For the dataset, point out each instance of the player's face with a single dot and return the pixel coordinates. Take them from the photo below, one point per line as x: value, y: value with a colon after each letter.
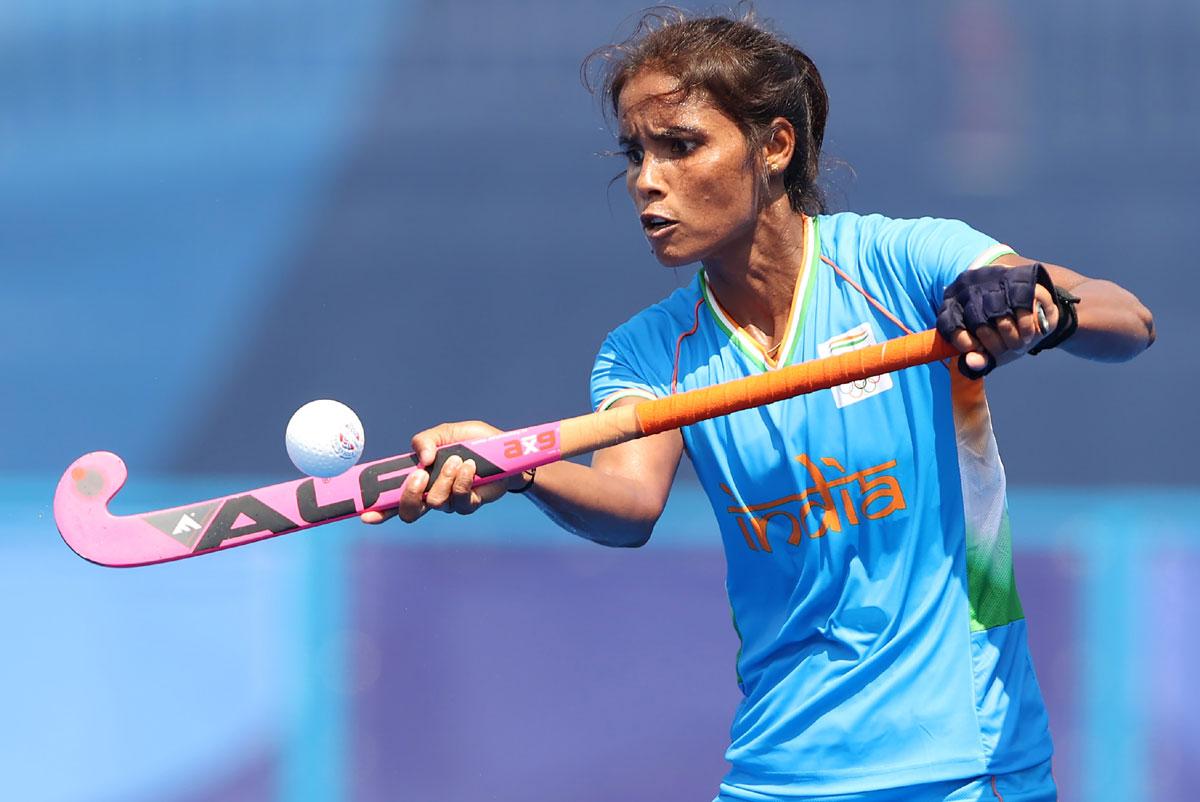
x: 688, y: 171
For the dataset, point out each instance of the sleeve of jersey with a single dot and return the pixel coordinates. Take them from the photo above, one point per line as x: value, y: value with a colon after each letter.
x: 618, y: 373
x: 929, y: 253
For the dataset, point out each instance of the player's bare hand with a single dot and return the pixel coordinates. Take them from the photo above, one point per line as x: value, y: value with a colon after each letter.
x: 451, y: 489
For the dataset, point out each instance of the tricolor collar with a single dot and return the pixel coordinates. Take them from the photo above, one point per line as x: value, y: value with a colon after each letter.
x: 752, y: 348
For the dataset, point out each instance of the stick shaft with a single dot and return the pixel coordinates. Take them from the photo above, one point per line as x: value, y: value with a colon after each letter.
x: 687, y: 408
x: 602, y: 429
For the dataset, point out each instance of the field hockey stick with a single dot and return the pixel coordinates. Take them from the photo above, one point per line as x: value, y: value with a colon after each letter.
x: 86, y: 488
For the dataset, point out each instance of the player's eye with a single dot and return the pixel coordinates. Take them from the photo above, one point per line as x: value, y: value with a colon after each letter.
x: 681, y: 147
x: 633, y: 156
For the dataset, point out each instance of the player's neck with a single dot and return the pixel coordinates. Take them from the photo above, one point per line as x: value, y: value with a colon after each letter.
x: 754, y: 280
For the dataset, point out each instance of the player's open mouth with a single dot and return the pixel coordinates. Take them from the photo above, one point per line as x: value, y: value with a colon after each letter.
x: 655, y: 225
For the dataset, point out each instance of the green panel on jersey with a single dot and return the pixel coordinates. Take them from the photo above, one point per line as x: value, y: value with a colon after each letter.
x: 991, y: 584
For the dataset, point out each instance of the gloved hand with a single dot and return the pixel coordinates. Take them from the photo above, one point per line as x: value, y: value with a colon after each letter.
x: 995, y: 314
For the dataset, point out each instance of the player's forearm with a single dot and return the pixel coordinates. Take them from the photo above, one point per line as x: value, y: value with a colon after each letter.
x: 604, y: 508
x: 1114, y: 325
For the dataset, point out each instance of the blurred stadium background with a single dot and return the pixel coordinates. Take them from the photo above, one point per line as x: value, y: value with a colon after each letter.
x: 212, y: 211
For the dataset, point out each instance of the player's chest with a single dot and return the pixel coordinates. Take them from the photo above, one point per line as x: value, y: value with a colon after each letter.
x: 842, y: 456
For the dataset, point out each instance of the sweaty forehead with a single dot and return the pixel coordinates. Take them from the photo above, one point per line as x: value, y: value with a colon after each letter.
x: 654, y: 101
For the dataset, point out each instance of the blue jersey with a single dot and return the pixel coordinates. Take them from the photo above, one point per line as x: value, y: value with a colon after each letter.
x: 865, y: 527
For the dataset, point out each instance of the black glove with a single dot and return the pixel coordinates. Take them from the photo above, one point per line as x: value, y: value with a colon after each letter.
x: 980, y: 297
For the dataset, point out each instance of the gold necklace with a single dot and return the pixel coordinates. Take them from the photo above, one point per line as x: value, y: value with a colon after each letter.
x: 771, y: 351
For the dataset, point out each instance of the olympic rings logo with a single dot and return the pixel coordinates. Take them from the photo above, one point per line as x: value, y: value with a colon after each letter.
x: 862, y: 387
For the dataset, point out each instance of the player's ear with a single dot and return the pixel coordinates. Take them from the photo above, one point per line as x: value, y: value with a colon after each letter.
x: 778, y: 146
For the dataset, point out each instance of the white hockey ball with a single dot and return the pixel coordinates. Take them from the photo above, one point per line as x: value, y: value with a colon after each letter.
x: 324, y: 438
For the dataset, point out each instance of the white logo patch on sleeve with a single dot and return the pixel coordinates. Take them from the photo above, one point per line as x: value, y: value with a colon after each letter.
x: 851, y: 393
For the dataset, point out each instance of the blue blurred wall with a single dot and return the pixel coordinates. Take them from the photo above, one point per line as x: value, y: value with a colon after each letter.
x: 214, y: 211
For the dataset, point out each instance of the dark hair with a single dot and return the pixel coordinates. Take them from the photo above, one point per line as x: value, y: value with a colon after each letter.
x: 753, y: 75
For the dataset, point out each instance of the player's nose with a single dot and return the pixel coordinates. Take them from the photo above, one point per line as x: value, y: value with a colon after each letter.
x: 650, y: 181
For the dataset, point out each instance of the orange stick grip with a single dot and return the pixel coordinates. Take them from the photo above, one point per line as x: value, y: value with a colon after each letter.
x: 664, y: 414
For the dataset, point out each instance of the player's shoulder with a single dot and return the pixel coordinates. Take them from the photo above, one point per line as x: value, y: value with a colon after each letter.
x: 882, y: 230
x: 876, y: 241
x: 664, y: 320
x: 638, y: 353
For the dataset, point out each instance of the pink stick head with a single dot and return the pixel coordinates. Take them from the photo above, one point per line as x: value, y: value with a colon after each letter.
x: 81, y: 510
